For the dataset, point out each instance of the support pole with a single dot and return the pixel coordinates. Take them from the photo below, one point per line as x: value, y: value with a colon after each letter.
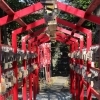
x: 24, y: 88
x: 0, y: 61
x: 15, y: 88
x: 30, y: 86
x: 81, y: 78
x: 77, y: 87
x: 34, y: 86
x: 81, y: 92
x: 89, y: 94
x: 70, y: 80
x: 30, y: 76
x: 73, y: 85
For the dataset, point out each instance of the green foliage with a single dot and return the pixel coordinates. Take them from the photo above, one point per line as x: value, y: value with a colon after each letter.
x: 16, y: 5
x: 68, y: 17
x: 32, y: 18
x: 7, y: 29
x: 81, y: 4
x: 89, y: 25
x: 59, y: 57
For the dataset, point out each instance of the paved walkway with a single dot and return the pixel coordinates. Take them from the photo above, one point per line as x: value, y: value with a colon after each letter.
x: 58, y: 91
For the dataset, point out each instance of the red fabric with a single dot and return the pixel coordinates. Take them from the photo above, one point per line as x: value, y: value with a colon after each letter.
x: 45, y: 54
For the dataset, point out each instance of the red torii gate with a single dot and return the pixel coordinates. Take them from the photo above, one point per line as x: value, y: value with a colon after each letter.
x: 84, y: 30
x: 75, y: 35
x: 64, y: 37
x: 72, y: 73
x: 83, y: 15
x: 16, y: 16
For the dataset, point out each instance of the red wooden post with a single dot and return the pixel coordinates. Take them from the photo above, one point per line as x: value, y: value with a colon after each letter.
x: 14, y: 46
x: 36, y: 76
x: 30, y: 76
x: 0, y: 80
x: 24, y: 88
x: 24, y: 39
x: 35, y: 83
x: 70, y: 80
x: 81, y: 92
x: 76, y: 89
x: 81, y: 78
x: 37, y: 80
x: 30, y: 86
x: 89, y: 43
x: 71, y: 61
x: 71, y: 73
x: 31, y: 48
x: 77, y: 80
x: 37, y: 70
x: 89, y: 94
x: 0, y: 62
x: 72, y: 76
x: 34, y: 86
x: 74, y: 84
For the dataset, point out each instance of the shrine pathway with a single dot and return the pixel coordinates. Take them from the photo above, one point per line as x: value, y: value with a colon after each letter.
x: 59, y: 90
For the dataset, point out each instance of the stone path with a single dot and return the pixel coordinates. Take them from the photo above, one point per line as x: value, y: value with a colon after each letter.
x: 58, y: 91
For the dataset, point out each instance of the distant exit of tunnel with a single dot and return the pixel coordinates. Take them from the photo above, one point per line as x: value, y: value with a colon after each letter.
x: 59, y: 59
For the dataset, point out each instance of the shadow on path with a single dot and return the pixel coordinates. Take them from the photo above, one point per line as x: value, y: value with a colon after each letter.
x: 56, y: 92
